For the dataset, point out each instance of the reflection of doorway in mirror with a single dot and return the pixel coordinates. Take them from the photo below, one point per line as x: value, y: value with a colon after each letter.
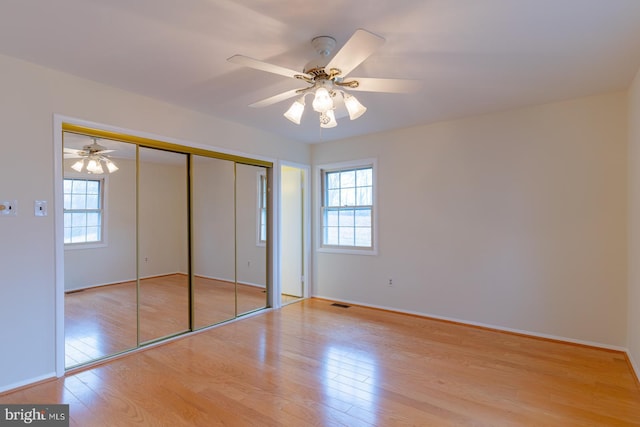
x: 292, y: 233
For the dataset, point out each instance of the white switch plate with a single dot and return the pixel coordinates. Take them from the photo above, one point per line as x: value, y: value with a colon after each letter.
x: 40, y: 208
x: 8, y: 207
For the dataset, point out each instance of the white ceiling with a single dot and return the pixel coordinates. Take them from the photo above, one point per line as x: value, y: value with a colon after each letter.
x: 472, y: 56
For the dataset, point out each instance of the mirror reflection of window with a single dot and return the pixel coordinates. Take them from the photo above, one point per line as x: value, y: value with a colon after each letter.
x: 251, y: 258
x: 100, y: 250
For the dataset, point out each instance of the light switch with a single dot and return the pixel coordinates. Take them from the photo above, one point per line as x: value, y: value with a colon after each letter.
x: 40, y: 208
x: 8, y: 207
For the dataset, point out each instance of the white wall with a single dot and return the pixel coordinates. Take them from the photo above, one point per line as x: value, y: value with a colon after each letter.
x: 634, y: 224
x: 30, y: 96
x: 515, y: 220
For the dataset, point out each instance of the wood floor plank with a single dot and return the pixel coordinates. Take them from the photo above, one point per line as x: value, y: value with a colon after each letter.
x: 312, y: 364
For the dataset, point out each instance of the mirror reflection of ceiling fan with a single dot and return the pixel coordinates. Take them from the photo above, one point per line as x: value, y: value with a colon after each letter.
x: 327, y: 78
x: 92, y: 158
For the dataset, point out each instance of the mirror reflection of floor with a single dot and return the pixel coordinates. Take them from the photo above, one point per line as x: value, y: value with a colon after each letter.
x: 101, y: 321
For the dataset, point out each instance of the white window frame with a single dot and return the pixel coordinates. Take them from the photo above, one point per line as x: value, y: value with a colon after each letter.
x: 261, y: 197
x: 103, y: 242
x: 320, y: 176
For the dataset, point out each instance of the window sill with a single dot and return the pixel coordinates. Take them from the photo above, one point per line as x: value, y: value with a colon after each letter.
x: 76, y: 246
x: 347, y: 251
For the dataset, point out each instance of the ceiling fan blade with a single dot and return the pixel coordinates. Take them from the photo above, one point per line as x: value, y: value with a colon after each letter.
x: 264, y: 66
x: 72, y: 156
x: 276, y: 98
x: 386, y: 85
x: 71, y: 151
x: 358, y: 48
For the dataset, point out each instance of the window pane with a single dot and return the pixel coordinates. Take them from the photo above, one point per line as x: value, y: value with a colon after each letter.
x: 68, y: 184
x: 93, y: 187
x: 348, y: 197
x: 331, y: 236
x: 363, y: 218
x: 93, y: 234
x: 363, y: 236
x: 333, y: 180
x: 331, y: 218
x: 346, y: 218
x: 364, y: 196
x: 67, y: 235
x: 67, y: 220
x: 364, y: 177
x: 333, y: 198
x: 93, y: 201
x: 348, y: 179
x: 78, y: 201
x: 93, y: 219
x: 78, y: 235
x: 346, y: 236
x: 67, y: 201
x: 79, y: 186
x: 78, y: 219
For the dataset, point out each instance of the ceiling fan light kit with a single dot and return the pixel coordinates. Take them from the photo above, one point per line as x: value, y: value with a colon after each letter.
x: 327, y: 78
x: 92, y: 159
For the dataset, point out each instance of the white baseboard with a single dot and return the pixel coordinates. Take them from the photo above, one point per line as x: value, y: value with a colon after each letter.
x: 484, y: 325
x: 634, y: 366
x: 30, y: 381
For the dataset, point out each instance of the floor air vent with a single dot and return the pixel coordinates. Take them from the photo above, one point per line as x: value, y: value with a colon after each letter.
x: 335, y: 304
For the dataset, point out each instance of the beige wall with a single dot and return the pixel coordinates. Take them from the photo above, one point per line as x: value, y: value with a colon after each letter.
x: 515, y: 220
x: 31, y: 95
x: 634, y: 224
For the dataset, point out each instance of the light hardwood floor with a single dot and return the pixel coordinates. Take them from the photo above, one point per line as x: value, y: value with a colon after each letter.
x: 311, y: 363
x: 102, y: 321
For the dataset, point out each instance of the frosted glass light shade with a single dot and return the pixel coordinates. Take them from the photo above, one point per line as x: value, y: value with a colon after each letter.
x: 354, y: 107
x: 77, y: 166
x: 294, y: 113
x: 94, y: 167
x: 322, y: 102
x: 111, y: 166
x: 328, y: 119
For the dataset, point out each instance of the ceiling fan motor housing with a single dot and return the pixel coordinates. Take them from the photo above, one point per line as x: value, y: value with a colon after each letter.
x: 324, y: 46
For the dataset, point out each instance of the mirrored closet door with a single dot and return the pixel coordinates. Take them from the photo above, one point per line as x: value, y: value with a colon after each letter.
x: 213, y: 240
x: 159, y: 240
x: 99, y: 192
x: 251, y: 237
x: 163, y: 243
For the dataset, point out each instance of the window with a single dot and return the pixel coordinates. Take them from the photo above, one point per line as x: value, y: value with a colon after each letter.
x: 83, y: 210
x: 262, y: 208
x: 347, y: 207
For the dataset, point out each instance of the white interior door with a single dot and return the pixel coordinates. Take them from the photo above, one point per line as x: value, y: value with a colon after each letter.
x: 292, y: 236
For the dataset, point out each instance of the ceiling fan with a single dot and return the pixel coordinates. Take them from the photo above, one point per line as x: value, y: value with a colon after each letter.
x: 93, y: 158
x: 327, y: 79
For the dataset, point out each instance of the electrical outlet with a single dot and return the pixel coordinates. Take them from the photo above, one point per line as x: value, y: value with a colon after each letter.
x: 391, y: 283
